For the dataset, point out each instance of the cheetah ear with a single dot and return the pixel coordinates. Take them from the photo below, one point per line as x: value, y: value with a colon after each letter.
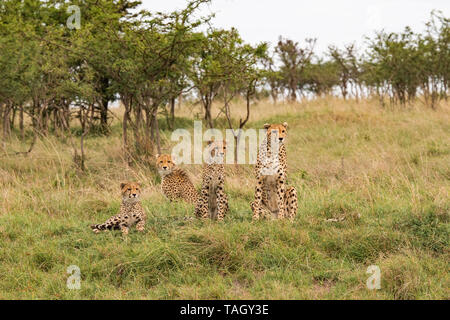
x: 285, y: 124
x: 139, y: 184
x: 122, y: 185
x: 210, y: 141
x: 157, y: 155
x: 267, y: 126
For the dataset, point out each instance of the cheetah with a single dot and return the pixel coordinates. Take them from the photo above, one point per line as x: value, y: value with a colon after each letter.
x: 131, y: 211
x: 213, y: 201
x: 272, y: 196
x: 175, y: 182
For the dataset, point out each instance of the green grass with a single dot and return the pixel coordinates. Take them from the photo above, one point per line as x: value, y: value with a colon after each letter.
x: 385, y: 174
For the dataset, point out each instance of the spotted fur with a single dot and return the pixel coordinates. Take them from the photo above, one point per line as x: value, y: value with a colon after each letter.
x: 272, y: 196
x: 131, y: 212
x: 175, y: 182
x: 213, y: 201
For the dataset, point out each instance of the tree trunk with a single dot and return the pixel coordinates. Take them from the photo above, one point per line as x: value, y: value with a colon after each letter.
x: 104, y: 105
x: 293, y: 93
x: 172, y: 114
x: 126, y: 115
x: 156, y: 130
x: 21, y: 126
x: 180, y: 99
x: 6, y: 122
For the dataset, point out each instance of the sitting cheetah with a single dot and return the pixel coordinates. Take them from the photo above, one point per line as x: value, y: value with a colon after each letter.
x: 175, y: 182
x: 272, y: 196
x: 213, y: 201
x: 131, y: 211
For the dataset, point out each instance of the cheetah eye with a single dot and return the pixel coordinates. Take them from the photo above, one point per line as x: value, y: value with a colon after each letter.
x: 129, y: 189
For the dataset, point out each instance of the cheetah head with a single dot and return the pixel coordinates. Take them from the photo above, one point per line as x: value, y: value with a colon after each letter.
x: 131, y: 192
x: 165, y: 164
x: 280, y: 130
x: 216, y: 151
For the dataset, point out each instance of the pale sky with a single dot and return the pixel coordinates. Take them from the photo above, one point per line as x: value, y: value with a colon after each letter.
x: 330, y: 21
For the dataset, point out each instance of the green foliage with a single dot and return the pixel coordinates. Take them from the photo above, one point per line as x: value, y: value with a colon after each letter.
x: 397, y: 66
x: 224, y: 65
x: 53, y: 75
x: 402, y: 66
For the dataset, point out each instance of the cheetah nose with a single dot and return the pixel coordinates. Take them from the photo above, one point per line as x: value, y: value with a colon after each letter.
x: 165, y: 167
x: 281, y: 139
x: 134, y: 195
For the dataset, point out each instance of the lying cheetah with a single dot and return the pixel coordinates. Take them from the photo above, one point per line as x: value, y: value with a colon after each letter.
x: 131, y: 211
x: 272, y: 196
x: 175, y: 182
x: 213, y: 201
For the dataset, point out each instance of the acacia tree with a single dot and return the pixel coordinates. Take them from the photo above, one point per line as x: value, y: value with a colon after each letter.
x: 395, y: 60
x: 240, y: 62
x: 100, y: 19
x: 207, y: 71
x: 434, y: 59
x: 321, y: 77
x: 344, y: 72
x: 345, y: 61
x: 144, y: 57
x: 272, y: 76
x: 294, y: 60
x: 224, y: 66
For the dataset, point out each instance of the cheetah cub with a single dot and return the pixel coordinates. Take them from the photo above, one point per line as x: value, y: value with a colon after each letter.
x: 131, y: 211
x: 213, y: 201
x: 175, y: 182
x: 272, y: 196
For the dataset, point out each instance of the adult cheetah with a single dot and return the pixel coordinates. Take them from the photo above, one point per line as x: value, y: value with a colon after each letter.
x: 131, y: 211
x: 272, y: 196
x: 213, y: 201
x: 175, y: 182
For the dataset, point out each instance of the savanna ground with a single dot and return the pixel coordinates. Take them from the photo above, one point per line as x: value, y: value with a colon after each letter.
x: 382, y: 174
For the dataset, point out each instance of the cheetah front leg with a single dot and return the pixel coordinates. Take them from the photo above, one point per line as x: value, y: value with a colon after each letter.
x: 124, y: 228
x: 201, y: 208
x: 265, y: 212
x: 222, y: 200
x: 291, y: 203
x: 140, y: 226
x: 281, y: 196
x: 256, y: 204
